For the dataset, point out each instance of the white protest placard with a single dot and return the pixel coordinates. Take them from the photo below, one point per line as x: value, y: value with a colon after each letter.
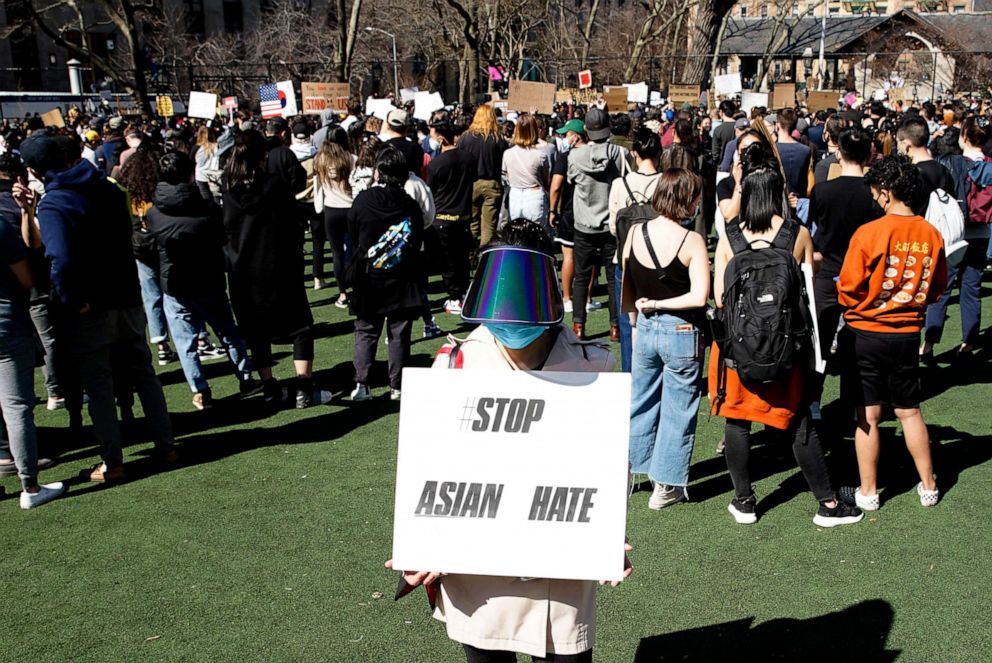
x: 408, y: 93
x: 496, y: 475
x: 379, y: 108
x: 751, y: 100
x: 425, y: 103
x: 728, y: 84
x: 202, y: 105
x: 637, y: 93
x: 655, y: 98
x: 819, y: 363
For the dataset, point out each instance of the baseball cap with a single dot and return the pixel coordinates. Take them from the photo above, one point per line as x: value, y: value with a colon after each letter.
x: 91, y: 136
x: 42, y: 153
x: 116, y: 123
x: 578, y: 126
x: 597, y: 124
x: 742, y: 123
x: 301, y: 130
x: 397, y: 118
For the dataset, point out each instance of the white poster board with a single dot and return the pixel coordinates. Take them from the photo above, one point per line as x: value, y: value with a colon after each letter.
x: 819, y: 363
x: 379, y: 108
x: 751, y: 100
x: 637, y: 93
x: 425, y: 103
x: 496, y: 475
x: 202, y: 105
x: 728, y: 84
x: 408, y: 94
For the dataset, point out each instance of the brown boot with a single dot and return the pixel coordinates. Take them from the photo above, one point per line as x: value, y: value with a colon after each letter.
x: 101, y: 473
x: 580, y: 330
x: 614, y: 333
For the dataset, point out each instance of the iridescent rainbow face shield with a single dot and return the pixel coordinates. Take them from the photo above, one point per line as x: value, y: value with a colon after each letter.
x: 514, y: 285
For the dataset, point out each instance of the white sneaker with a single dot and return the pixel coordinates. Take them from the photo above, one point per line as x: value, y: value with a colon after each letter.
x: 55, y: 403
x: 452, y: 306
x: 568, y: 306
x: 594, y: 306
x: 361, y: 393
x: 46, y: 493
x: 394, y: 394
x: 854, y: 497
x: 318, y: 284
x: 432, y: 330
x: 927, y: 497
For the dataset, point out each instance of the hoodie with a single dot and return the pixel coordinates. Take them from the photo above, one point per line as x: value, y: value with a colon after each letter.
x: 189, y: 236
x: 86, y: 228
x: 592, y: 169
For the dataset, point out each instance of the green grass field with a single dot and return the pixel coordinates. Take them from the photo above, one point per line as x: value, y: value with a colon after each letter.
x: 266, y: 543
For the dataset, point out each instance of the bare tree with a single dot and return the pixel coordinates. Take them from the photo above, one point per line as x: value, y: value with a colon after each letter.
x: 347, y: 35
x: 659, y: 16
x: 783, y: 25
x: 703, y: 35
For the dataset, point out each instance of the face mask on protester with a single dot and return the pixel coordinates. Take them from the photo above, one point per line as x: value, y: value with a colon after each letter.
x: 433, y: 144
x: 515, y: 336
x: 563, y: 144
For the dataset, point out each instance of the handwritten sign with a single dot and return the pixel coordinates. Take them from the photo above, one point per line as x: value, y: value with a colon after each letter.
x: 616, y: 99
x: 683, y: 94
x: 784, y: 95
x: 821, y: 101
x: 318, y: 97
x: 525, y: 95
x: 490, y: 456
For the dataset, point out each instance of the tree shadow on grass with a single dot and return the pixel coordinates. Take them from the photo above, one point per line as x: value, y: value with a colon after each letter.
x: 856, y: 633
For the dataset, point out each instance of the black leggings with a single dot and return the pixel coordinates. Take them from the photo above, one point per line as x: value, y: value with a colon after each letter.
x: 805, y: 446
x: 319, y: 238
x: 261, y: 348
x: 336, y: 228
x: 474, y: 655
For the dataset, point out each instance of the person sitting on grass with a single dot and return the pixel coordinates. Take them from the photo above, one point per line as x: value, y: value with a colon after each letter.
x: 550, y: 620
x: 894, y: 267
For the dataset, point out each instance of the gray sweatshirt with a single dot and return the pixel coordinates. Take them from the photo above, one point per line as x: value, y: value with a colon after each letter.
x: 592, y: 169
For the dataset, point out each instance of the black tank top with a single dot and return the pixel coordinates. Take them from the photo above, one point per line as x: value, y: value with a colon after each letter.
x: 657, y: 282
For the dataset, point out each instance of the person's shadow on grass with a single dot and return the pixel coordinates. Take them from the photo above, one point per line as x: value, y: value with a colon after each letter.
x: 855, y: 633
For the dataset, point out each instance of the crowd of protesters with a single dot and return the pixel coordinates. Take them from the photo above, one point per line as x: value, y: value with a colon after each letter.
x: 130, y: 242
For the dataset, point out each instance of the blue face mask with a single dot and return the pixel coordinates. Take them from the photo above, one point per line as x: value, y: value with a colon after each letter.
x: 515, y: 336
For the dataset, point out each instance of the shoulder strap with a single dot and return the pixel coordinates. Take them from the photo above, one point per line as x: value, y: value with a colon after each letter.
x: 647, y: 242
x: 736, y: 237
x: 786, y: 236
x: 626, y: 185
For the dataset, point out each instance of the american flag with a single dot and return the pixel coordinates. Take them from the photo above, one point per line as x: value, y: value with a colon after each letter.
x: 272, y: 100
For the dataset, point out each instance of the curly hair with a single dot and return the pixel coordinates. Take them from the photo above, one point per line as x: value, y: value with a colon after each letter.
x: 139, y: 174
x: 899, y: 177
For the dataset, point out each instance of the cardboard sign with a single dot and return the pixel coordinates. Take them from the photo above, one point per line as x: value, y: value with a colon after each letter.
x: 728, y: 84
x: 53, y: 118
x: 202, y: 105
x: 585, y: 79
x: 318, y: 97
x: 751, y: 100
x: 231, y: 103
x: 425, y: 103
x: 525, y: 95
x: 163, y: 106
x: 784, y: 95
x: 821, y: 101
x: 499, y: 456
x: 616, y: 99
x: 683, y: 94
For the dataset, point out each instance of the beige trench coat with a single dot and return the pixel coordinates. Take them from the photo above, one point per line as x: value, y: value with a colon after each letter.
x: 536, y: 616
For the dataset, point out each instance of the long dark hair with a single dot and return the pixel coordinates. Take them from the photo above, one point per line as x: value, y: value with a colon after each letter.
x: 762, y: 197
x: 244, y: 168
x: 139, y: 174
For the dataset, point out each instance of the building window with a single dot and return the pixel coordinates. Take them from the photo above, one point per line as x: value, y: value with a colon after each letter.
x: 764, y: 11
x: 959, y: 9
x: 233, y: 16
x: 795, y: 9
x: 743, y: 11
x: 834, y: 11
x: 195, y: 16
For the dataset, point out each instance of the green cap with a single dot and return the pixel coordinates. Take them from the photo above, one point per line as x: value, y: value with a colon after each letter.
x: 572, y: 125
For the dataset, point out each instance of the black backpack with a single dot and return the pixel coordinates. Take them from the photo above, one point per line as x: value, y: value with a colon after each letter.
x: 766, y: 322
x: 634, y: 213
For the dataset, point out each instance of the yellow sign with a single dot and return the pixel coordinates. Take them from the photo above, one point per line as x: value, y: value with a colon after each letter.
x: 163, y: 105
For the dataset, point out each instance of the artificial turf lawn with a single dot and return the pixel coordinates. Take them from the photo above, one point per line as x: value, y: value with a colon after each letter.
x: 266, y: 543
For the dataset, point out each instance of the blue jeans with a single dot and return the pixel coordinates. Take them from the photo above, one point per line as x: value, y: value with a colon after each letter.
x: 151, y: 297
x: 186, y: 317
x: 667, y: 365
x: 970, y: 268
x: 623, y: 320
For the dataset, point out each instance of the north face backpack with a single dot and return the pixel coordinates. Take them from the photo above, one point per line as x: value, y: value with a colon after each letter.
x: 944, y: 214
x: 767, y: 324
x: 634, y: 213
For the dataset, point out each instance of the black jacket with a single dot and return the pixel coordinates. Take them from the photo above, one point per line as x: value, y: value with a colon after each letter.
x: 378, y: 292
x: 189, y: 237
x: 282, y: 163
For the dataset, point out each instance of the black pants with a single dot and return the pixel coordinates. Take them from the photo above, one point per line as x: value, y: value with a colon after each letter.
x: 474, y: 655
x: 335, y: 229
x: 319, y: 238
x: 367, y: 333
x: 455, y: 244
x: 805, y: 446
x: 261, y: 348
x: 590, y: 250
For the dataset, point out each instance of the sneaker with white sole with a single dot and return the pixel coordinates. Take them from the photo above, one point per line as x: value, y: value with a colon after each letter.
x: 394, y: 394
x: 307, y: 398
x: 46, y: 493
x: 432, y: 330
x: 842, y: 514
x: 211, y: 352
x: 452, y: 306
x: 664, y: 495
x: 568, y: 306
x: 55, y: 403
x: 594, y: 306
x: 341, y: 302
x: 361, y: 393
x: 166, y: 356
x: 853, y: 497
x: 927, y: 497
x: 743, y: 510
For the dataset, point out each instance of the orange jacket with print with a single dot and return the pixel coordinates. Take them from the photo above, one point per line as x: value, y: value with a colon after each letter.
x: 894, y: 267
